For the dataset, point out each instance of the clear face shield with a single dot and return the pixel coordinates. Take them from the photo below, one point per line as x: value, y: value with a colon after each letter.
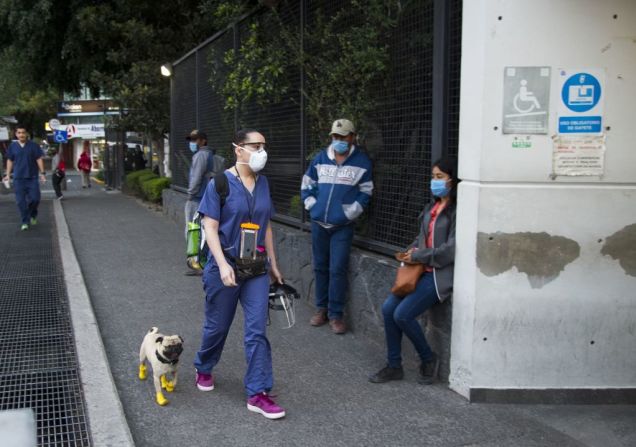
x: 281, y: 305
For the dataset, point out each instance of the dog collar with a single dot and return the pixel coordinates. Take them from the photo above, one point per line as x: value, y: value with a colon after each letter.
x: 162, y: 359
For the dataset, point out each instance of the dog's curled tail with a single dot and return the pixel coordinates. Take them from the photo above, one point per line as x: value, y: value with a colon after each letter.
x: 153, y: 330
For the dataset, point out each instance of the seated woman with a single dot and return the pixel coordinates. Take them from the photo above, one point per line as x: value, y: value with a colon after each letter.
x: 435, y: 248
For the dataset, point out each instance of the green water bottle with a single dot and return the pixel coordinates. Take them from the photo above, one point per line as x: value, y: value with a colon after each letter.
x: 194, y: 239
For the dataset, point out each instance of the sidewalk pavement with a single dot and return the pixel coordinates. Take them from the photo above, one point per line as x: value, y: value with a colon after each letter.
x: 133, y: 263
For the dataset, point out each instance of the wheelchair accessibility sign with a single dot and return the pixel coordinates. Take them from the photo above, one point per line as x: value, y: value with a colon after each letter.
x: 526, y: 100
x: 581, y: 104
x: 60, y: 136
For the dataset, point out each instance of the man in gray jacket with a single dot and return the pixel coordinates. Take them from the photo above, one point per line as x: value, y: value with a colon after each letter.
x: 205, y: 165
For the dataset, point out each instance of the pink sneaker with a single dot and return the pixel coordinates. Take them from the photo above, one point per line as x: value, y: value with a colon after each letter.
x: 263, y: 404
x: 205, y: 382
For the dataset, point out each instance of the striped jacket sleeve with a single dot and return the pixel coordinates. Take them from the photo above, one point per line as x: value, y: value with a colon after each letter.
x: 366, y: 188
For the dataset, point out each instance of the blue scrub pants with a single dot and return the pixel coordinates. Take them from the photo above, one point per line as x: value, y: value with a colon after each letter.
x: 27, y: 197
x: 400, y: 318
x: 220, y: 307
x: 331, y: 248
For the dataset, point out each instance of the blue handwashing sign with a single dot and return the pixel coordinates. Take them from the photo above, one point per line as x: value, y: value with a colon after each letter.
x: 581, y: 92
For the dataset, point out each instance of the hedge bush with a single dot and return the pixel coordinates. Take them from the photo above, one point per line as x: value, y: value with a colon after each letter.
x: 136, y: 178
x: 295, y: 207
x: 152, y: 187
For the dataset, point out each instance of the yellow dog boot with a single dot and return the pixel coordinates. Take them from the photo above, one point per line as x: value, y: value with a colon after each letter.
x: 161, y: 400
x: 143, y: 373
x: 167, y: 384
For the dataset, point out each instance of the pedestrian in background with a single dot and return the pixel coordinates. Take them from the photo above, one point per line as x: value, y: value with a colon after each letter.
x: 24, y: 160
x: 58, y: 169
x: 335, y: 190
x: 434, y: 247
x: 138, y: 159
x: 205, y: 165
x: 248, y: 205
x: 84, y: 165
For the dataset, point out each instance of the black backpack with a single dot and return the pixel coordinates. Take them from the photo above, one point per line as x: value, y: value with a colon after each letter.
x: 222, y: 188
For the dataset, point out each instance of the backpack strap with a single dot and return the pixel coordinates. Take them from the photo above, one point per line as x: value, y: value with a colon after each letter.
x: 222, y: 187
x: 210, y: 165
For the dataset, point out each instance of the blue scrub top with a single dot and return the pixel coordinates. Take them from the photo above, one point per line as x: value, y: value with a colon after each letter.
x: 24, y: 159
x: 236, y: 211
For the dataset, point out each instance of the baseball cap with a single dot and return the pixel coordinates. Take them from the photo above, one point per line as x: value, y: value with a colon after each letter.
x: 196, y: 135
x: 342, y: 127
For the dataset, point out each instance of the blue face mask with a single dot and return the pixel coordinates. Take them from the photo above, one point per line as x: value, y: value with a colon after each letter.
x: 439, y: 188
x: 340, y: 146
x: 193, y: 146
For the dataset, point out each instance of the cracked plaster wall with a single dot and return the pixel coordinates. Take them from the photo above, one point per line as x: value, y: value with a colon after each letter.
x: 545, y: 265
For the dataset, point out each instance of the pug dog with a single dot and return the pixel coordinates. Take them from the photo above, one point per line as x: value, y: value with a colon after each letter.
x: 162, y: 351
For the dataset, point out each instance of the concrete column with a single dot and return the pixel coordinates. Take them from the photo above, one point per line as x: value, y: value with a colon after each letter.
x: 544, y: 307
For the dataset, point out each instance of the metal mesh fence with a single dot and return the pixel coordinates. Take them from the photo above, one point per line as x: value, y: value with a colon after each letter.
x: 454, y: 73
x: 212, y: 118
x: 396, y: 133
x: 280, y: 120
x: 39, y: 368
x: 400, y: 139
x: 183, y: 110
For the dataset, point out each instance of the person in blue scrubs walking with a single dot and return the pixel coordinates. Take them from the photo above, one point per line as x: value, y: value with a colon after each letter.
x: 24, y: 159
x: 248, y: 202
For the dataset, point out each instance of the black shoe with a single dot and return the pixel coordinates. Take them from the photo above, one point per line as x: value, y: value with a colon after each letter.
x: 429, y: 370
x: 194, y: 272
x: 386, y: 374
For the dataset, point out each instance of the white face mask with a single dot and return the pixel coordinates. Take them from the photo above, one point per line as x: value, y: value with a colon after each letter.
x: 257, y: 161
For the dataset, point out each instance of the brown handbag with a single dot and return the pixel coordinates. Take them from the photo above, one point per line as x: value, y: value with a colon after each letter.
x: 406, y: 277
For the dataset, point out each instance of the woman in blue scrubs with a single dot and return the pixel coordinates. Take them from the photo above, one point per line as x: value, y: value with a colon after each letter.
x: 247, y: 202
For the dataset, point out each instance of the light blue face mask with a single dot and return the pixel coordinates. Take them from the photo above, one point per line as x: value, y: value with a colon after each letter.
x: 340, y: 146
x: 193, y: 146
x: 439, y: 188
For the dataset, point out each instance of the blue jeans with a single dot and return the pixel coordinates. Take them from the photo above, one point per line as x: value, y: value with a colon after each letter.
x: 220, y: 307
x: 331, y: 248
x: 400, y: 317
x: 27, y: 197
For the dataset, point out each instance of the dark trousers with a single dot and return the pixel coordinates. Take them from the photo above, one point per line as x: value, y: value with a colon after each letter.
x: 27, y: 197
x: 220, y: 307
x: 331, y: 248
x: 57, y: 184
x: 400, y: 318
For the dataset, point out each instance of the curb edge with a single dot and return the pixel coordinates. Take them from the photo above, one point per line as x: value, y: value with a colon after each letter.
x: 106, y: 419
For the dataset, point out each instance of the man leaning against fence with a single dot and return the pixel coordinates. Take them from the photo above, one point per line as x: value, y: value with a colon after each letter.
x: 336, y: 189
x: 205, y: 165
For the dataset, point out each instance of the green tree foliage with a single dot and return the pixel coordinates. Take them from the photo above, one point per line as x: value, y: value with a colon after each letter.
x: 345, y: 59
x: 32, y: 71
x: 32, y: 38
x: 113, y: 46
x: 256, y: 71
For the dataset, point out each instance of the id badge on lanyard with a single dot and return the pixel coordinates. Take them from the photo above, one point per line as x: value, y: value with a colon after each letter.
x: 249, y: 230
x: 249, y: 236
